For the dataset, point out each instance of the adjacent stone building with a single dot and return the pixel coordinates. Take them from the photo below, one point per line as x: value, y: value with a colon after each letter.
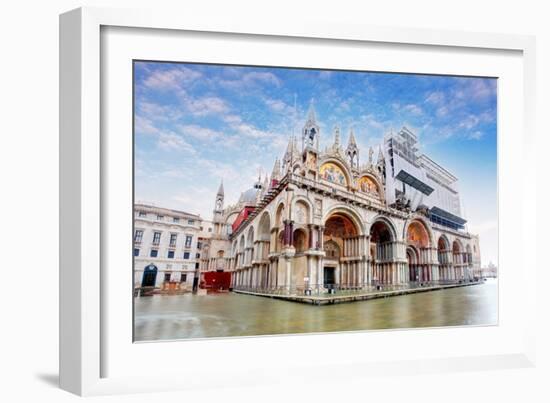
x: 166, y: 248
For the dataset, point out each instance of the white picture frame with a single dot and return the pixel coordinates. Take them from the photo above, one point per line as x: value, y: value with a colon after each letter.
x: 84, y: 183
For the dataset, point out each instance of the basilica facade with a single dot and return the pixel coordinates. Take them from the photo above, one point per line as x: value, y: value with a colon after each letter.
x: 326, y: 220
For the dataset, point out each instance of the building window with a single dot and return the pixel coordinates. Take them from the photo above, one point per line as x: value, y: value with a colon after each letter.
x: 188, y: 240
x: 167, y: 276
x: 160, y: 217
x: 191, y: 222
x: 209, y: 229
x: 176, y: 219
x: 173, y: 238
x: 156, y: 238
x: 136, y: 251
x: 138, y: 235
x: 142, y: 214
x: 186, y: 255
x: 154, y: 252
x: 199, y: 244
x: 183, y: 277
x: 197, y: 265
x: 170, y: 254
x: 198, y: 256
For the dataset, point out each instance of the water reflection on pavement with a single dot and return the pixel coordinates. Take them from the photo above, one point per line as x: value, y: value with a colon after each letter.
x: 222, y: 315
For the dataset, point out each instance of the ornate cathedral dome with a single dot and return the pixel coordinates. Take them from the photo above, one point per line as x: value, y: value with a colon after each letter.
x: 249, y: 197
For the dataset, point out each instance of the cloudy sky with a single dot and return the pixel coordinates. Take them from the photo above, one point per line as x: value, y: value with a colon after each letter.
x: 196, y: 124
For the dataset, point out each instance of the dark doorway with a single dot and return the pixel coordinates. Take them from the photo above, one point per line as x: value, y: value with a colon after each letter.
x: 149, y: 276
x: 329, y: 277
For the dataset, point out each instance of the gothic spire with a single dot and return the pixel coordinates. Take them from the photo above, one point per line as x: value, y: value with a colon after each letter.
x: 220, y: 189
x: 276, y: 173
x: 310, y: 132
x: 289, y: 146
x: 311, y: 118
x: 380, y: 155
x: 289, y: 154
x: 351, y: 139
x: 352, y: 151
x: 218, y: 206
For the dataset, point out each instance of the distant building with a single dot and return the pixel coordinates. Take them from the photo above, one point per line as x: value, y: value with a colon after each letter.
x: 490, y: 271
x: 166, y: 248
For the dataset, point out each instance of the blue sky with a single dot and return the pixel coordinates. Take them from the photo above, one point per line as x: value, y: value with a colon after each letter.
x: 196, y: 124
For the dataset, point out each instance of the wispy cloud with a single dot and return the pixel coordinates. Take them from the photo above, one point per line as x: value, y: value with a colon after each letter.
x: 203, y: 106
x: 278, y: 106
x: 175, y: 143
x: 145, y: 126
x: 250, y: 80
x: 170, y: 79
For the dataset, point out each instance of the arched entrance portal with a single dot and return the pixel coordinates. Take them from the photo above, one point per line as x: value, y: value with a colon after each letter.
x: 149, y: 278
x: 412, y: 261
x: 458, y: 260
x: 418, y: 240
x: 343, y: 250
x: 383, y: 252
x: 445, y: 259
x: 332, y: 259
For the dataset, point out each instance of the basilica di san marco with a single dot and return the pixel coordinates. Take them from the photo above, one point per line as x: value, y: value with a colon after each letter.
x: 344, y: 222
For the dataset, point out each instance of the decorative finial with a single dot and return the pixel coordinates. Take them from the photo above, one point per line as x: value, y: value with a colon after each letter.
x: 351, y: 140
x: 336, y: 136
x: 311, y: 118
x: 380, y: 155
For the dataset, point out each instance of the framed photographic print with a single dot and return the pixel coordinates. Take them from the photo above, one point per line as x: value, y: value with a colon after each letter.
x: 311, y: 196
x: 309, y: 217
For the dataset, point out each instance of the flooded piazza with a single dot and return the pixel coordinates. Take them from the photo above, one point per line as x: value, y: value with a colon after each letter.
x: 229, y: 314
